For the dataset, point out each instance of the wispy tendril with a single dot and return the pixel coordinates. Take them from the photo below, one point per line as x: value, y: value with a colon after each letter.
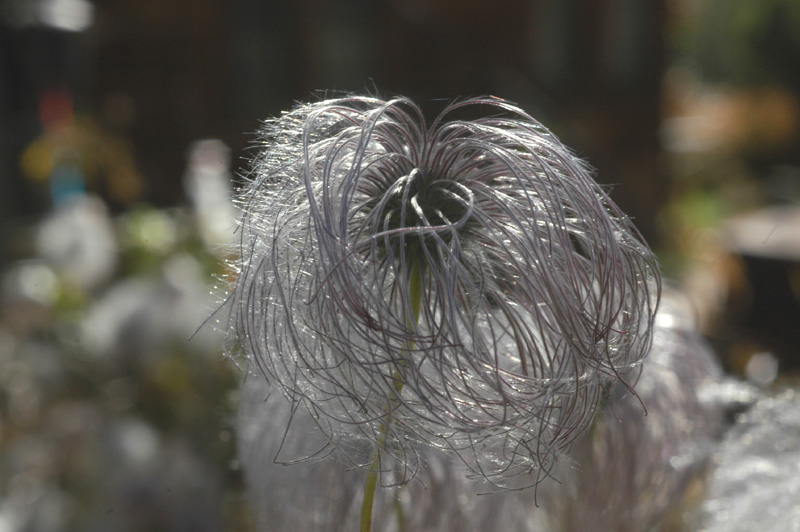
x: 463, y: 284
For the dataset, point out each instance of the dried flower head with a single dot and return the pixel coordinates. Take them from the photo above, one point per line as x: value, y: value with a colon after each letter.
x: 463, y: 285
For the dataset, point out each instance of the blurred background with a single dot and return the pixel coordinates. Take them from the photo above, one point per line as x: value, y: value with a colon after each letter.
x: 124, y: 125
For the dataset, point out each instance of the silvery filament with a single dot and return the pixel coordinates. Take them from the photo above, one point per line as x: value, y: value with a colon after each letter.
x: 463, y: 285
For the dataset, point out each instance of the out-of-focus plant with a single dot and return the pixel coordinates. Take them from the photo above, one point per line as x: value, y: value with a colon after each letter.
x: 757, y: 476
x: 110, y: 418
x: 463, y: 286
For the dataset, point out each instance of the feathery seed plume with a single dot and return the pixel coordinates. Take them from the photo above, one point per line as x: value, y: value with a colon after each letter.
x: 463, y: 285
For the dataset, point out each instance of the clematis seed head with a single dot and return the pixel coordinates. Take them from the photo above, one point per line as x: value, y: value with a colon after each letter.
x: 462, y: 284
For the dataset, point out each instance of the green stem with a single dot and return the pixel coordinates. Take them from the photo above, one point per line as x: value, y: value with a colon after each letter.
x: 401, y: 519
x: 415, y: 294
x: 371, y: 482
x: 369, y: 493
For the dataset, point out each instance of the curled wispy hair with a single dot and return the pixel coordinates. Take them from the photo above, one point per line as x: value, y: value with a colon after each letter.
x: 463, y: 284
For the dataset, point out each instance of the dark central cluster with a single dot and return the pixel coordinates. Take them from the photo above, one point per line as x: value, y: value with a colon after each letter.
x: 431, y: 202
x: 419, y: 212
